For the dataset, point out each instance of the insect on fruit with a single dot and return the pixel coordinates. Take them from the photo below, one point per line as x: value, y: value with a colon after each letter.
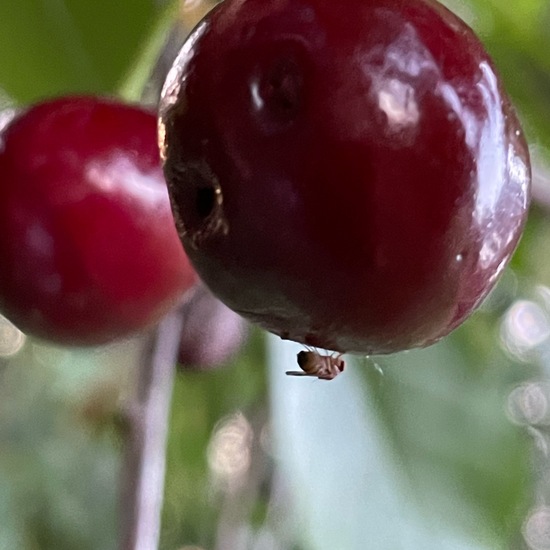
x: 324, y: 367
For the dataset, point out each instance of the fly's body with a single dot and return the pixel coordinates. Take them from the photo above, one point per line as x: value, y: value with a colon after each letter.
x: 324, y: 367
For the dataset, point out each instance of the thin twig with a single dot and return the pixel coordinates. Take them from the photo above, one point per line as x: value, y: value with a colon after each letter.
x: 145, y: 454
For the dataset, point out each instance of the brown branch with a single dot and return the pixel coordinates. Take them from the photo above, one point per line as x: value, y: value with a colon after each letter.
x: 145, y: 453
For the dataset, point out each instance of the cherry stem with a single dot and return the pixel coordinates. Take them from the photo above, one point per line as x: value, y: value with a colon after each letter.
x: 144, y: 459
x: 134, y: 81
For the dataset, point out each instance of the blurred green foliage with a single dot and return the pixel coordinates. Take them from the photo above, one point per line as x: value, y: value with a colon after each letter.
x: 52, y: 47
x: 412, y: 452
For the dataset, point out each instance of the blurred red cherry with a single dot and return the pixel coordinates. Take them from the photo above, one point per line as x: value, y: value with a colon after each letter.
x: 88, y: 249
x: 212, y: 333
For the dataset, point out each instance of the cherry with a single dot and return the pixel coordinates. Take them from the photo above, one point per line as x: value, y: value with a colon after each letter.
x: 349, y: 175
x: 88, y: 248
x: 211, y: 334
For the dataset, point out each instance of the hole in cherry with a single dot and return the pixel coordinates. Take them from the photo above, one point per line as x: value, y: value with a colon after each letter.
x: 197, y: 200
x: 205, y: 201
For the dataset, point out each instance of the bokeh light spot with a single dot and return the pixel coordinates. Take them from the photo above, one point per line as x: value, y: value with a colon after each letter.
x: 229, y: 450
x: 525, y: 326
x: 11, y: 338
x: 536, y: 530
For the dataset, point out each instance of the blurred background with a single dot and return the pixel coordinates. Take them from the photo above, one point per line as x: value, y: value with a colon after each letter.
x: 445, y: 448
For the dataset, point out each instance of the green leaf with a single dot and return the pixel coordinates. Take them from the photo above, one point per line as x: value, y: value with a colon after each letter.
x: 60, y: 475
x: 516, y: 35
x: 421, y: 456
x: 51, y: 47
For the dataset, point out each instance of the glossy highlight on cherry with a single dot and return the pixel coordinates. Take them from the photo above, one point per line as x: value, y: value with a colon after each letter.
x: 371, y: 178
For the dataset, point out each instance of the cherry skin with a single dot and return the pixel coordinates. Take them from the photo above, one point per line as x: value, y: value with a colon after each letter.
x: 88, y: 248
x: 349, y: 175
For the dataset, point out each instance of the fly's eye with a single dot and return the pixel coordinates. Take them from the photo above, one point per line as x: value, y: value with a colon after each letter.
x: 302, y: 358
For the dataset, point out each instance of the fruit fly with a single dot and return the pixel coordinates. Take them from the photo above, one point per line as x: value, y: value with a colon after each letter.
x: 324, y: 367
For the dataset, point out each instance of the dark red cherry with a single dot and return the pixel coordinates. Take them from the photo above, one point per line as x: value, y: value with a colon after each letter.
x: 88, y: 249
x: 349, y: 175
